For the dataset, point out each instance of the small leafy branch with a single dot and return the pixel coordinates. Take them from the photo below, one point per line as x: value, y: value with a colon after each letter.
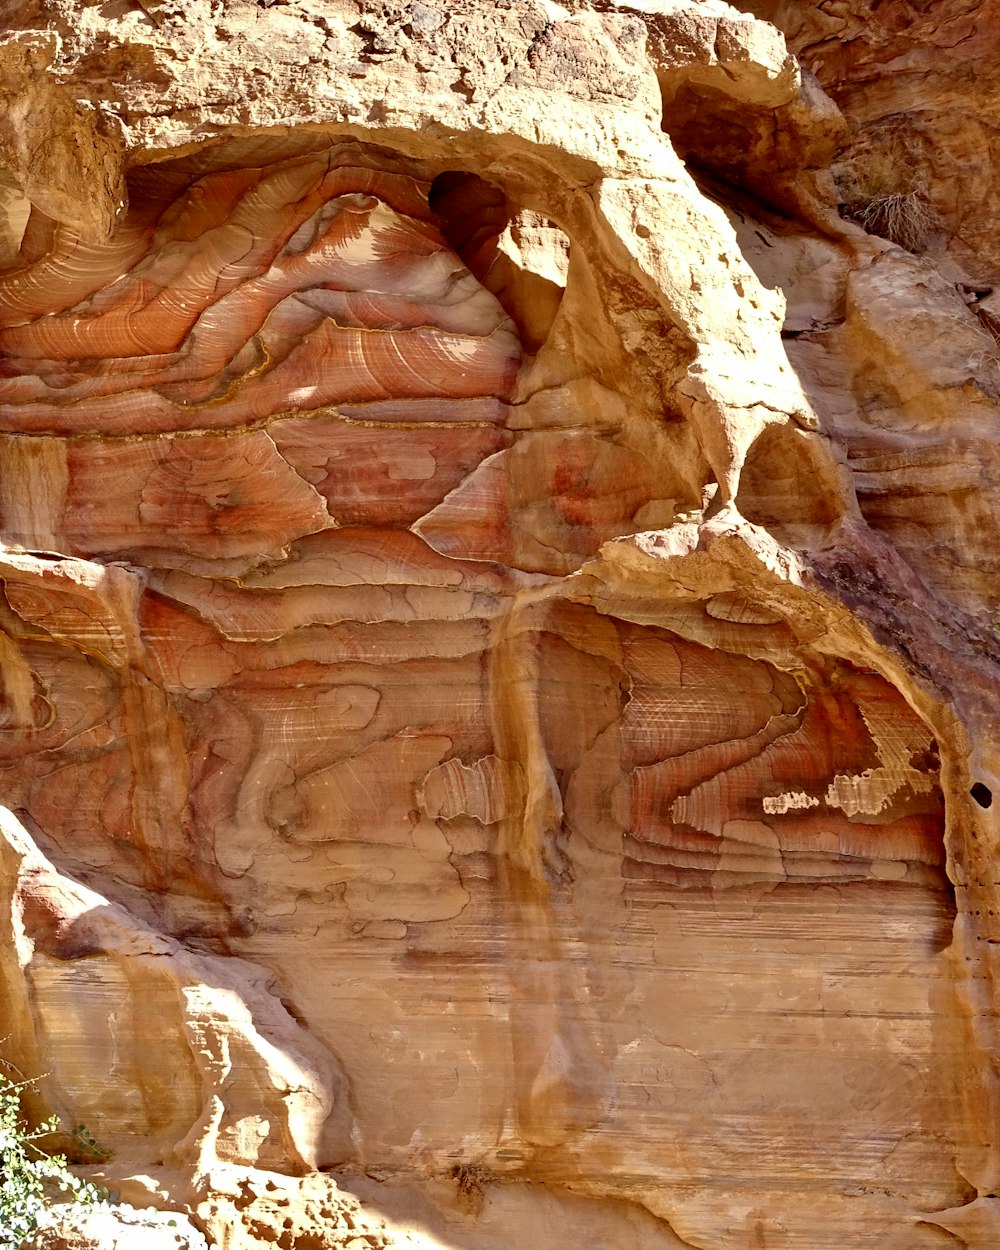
x: 32, y: 1178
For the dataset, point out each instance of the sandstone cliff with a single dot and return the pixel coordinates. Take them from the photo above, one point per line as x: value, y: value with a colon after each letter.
x: 500, y: 630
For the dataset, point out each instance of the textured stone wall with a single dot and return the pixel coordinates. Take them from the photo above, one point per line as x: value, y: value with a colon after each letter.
x: 499, y: 650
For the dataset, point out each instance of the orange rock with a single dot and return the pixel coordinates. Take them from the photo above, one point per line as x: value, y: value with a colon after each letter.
x: 490, y: 728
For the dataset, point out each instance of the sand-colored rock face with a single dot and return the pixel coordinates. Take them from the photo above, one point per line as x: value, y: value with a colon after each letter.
x: 903, y: 361
x: 496, y: 750
x: 917, y: 84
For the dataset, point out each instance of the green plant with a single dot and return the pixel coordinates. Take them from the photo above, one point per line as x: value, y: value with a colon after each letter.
x: 31, y: 1178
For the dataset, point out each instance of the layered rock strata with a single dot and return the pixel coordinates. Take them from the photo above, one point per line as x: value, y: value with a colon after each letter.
x: 486, y: 734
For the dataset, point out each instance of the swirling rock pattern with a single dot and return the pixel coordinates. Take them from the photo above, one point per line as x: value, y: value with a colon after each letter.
x: 402, y: 720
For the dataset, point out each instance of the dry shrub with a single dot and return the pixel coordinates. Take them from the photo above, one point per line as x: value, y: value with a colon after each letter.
x: 883, y: 192
x: 902, y: 217
x: 472, y: 1180
x: 990, y: 321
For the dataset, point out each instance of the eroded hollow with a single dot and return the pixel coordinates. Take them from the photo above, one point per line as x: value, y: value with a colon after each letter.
x: 518, y: 255
x: 790, y: 485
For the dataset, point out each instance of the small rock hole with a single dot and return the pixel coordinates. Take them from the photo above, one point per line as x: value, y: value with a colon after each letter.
x: 482, y: 225
x: 982, y: 794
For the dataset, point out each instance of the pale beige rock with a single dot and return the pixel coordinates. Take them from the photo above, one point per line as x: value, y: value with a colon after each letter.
x: 173, y: 1056
x: 118, y: 1227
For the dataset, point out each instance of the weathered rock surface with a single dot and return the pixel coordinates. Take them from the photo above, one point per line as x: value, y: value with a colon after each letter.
x: 917, y: 83
x: 902, y: 363
x: 498, y: 653
x: 117, y: 1227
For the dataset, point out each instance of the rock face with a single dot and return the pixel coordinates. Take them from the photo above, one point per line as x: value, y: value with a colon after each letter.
x: 499, y: 651
x: 916, y: 417
x: 916, y: 82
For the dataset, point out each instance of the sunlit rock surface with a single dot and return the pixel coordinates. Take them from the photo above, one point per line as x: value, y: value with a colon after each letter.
x: 498, y: 642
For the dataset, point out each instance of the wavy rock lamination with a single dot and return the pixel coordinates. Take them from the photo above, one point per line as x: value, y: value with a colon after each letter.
x: 399, y: 731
